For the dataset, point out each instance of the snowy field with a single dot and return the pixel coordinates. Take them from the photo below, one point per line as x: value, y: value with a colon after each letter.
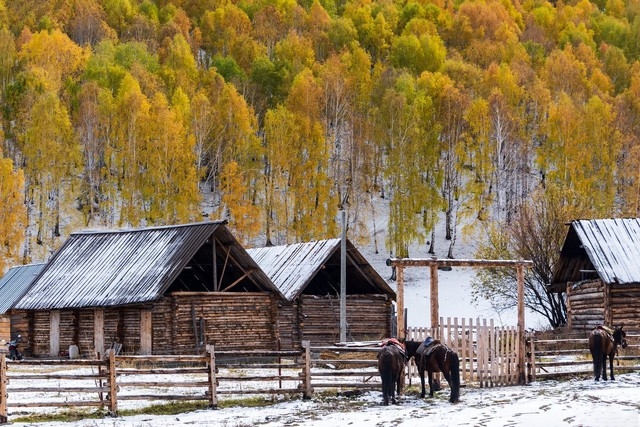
x: 577, y: 402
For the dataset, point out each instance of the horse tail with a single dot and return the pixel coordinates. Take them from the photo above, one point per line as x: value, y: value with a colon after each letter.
x: 386, y: 375
x: 455, y: 378
x: 595, y: 346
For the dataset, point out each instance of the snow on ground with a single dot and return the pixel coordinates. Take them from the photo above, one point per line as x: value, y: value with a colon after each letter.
x: 572, y: 403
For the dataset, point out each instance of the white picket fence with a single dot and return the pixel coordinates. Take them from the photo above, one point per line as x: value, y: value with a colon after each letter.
x: 488, y: 354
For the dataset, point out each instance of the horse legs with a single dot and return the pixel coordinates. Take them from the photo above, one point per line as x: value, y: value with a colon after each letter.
x: 423, y: 392
x: 603, y: 366
x: 399, y: 384
x: 430, y: 384
x: 611, y: 356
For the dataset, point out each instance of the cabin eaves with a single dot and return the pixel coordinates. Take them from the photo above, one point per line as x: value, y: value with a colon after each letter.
x: 293, y: 267
x: 15, y: 283
x: 109, y: 268
x: 607, y: 247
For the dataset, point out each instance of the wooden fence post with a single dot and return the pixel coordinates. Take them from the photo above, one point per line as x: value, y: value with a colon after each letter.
x: 113, y: 387
x: 4, y: 415
x: 213, y: 382
x: 308, y: 391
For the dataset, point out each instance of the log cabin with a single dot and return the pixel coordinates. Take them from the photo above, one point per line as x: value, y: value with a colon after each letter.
x: 599, y: 270
x: 308, y: 275
x: 13, y: 285
x: 156, y: 290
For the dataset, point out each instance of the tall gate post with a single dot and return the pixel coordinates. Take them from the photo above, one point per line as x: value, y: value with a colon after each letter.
x: 4, y: 415
x: 522, y: 379
x: 400, y: 303
x: 435, y: 306
x: 213, y: 385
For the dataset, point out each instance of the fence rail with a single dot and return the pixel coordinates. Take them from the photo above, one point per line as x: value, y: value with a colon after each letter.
x: 568, y: 355
x: 488, y: 357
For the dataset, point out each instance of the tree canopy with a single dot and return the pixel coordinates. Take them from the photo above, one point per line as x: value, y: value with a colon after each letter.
x: 276, y: 115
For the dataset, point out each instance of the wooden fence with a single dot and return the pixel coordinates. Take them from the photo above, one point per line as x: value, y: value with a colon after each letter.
x: 488, y: 354
x: 166, y: 378
x: 566, y: 354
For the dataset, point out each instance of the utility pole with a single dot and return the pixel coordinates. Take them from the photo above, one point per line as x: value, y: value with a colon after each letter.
x: 343, y: 279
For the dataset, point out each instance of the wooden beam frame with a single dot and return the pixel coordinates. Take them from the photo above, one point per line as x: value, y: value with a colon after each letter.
x: 434, y: 264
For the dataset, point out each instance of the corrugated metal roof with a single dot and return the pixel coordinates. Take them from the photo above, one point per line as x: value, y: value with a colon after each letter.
x: 292, y: 267
x: 107, y: 268
x: 609, y: 246
x: 15, y: 283
x: 613, y: 247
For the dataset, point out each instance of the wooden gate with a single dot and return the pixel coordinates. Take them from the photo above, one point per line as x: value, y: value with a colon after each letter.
x: 488, y: 354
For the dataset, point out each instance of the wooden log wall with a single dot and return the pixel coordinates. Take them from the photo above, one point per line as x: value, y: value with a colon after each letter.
x: 288, y: 321
x: 368, y: 318
x: 20, y: 326
x: 230, y: 321
x: 68, y: 331
x: 85, y: 341
x: 625, y: 306
x: 586, y: 304
x: 163, y: 315
x: 5, y: 327
x: 39, y: 331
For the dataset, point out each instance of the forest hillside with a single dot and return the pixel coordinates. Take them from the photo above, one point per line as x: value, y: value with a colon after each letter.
x: 482, y: 118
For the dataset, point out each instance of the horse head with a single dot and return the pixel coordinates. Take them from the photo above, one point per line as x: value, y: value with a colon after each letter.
x: 620, y: 336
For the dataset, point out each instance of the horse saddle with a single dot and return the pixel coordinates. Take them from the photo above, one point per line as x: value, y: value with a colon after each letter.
x: 607, y: 330
x: 394, y: 342
x: 428, y: 346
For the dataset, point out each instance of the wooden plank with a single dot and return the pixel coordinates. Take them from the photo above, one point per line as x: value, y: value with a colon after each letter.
x: 47, y: 376
x: 60, y: 404
x: 168, y: 397
x: 98, y: 331
x: 54, y: 333
x: 186, y: 384
x: 428, y: 262
x: 57, y: 390
x: 162, y: 371
x: 146, y: 332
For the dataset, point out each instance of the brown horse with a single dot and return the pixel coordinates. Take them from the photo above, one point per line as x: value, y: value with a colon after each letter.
x: 602, y: 343
x: 438, y: 358
x: 391, y: 361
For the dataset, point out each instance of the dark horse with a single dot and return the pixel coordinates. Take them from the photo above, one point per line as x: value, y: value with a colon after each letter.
x: 438, y: 358
x: 602, y: 343
x: 391, y: 361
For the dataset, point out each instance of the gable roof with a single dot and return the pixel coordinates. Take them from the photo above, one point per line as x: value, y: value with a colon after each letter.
x: 15, y: 283
x: 108, y: 268
x: 296, y: 267
x: 607, y: 248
